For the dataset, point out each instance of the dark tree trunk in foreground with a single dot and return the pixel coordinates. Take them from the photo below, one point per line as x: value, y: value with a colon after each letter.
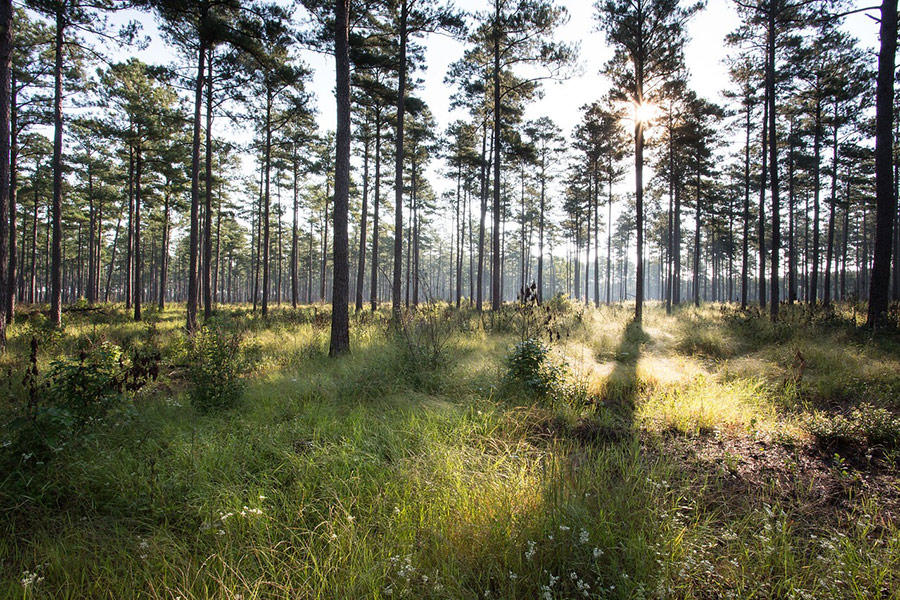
x: 6, y: 18
x: 398, y: 169
x: 56, y: 245
x: 340, y: 298
x: 12, y: 275
x: 884, y: 197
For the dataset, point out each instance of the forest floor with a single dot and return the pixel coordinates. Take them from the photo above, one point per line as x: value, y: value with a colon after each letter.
x: 707, y: 454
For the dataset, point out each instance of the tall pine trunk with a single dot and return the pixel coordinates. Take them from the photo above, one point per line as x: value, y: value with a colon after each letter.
x: 398, y: 167
x: 56, y: 206
x: 340, y: 297
x: 194, y: 236
x: 373, y: 292
x: 6, y: 276
x: 207, y: 209
x: 886, y: 205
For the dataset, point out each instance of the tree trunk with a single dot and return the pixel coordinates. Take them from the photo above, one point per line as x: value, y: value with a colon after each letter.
x: 361, y: 263
x: 6, y: 276
x: 762, y: 201
x: 340, y: 313
x: 540, y: 264
x: 639, y: 216
x: 886, y: 205
x: 496, y: 299
x: 792, y: 254
x: 12, y: 277
x: 773, y: 168
x: 829, y: 243
x: 56, y: 246
x: 373, y: 292
x: 813, y: 291
x: 398, y: 167
x: 138, y: 287
x: 207, y: 209
x: 479, y: 301
x: 745, y: 245
x: 164, y: 255
x: 697, y: 241
x: 267, y: 167
x: 295, y: 248
x: 194, y: 239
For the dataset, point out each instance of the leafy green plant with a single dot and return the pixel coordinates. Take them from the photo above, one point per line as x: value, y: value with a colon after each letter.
x: 217, y: 359
x: 865, y: 425
x: 75, y: 393
x: 531, y: 370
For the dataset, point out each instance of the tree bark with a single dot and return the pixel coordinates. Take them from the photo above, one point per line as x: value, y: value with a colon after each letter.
x: 398, y: 167
x: 56, y: 207
x: 496, y: 299
x: 194, y: 238
x: 340, y: 312
x: 138, y: 288
x: 773, y: 169
x: 884, y: 197
x: 207, y: 209
x: 6, y: 291
x: 267, y: 167
x: 361, y: 263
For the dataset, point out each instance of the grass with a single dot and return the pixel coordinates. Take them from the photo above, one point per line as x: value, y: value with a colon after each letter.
x: 677, y: 461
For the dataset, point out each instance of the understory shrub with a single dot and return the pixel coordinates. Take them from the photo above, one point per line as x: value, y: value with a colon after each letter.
x: 866, y: 425
x: 531, y: 370
x: 75, y: 393
x: 217, y: 359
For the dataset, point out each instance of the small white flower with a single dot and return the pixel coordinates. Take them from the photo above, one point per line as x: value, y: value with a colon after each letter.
x: 597, y: 552
x: 583, y: 537
x: 529, y: 554
x: 563, y: 527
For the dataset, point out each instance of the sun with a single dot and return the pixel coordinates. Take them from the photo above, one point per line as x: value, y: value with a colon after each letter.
x: 645, y: 112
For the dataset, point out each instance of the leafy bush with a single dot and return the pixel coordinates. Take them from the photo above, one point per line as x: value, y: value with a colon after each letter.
x: 530, y: 370
x: 865, y: 425
x: 217, y: 359
x: 74, y: 393
x: 89, y: 385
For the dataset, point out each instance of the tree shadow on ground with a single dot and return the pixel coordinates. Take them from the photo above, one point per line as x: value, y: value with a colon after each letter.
x: 613, y: 419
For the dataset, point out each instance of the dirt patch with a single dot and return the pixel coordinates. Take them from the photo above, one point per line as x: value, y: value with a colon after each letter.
x: 797, y: 474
